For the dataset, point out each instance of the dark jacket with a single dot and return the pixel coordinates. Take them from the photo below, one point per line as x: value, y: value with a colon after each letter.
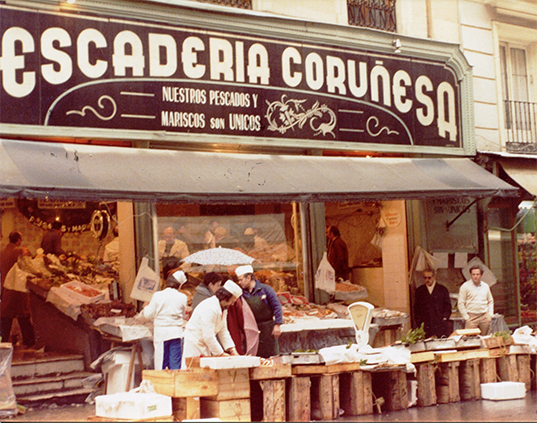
x: 202, y: 293
x: 433, y: 310
x: 52, y: 243
x: 338, y: 257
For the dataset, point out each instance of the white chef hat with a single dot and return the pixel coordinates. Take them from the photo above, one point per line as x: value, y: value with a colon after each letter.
x: 233, y: 288
x: 241, y: 270
x: 180, y: 276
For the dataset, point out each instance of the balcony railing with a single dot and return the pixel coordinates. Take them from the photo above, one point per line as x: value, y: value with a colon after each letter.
x: 377, y: 14
x: 240, y: 4
x: 521, y: 126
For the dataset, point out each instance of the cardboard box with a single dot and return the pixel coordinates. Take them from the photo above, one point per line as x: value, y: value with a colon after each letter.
x: 133, y: 405
x: 503, y: 390
x: 116, y: 369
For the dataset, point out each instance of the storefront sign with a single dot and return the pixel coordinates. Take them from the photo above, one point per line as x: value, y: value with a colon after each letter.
x: 62, y: 69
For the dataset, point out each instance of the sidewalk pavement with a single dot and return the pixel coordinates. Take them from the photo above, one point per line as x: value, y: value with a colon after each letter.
x: 520, y: 410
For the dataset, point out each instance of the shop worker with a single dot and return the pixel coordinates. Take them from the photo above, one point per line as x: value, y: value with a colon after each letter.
x: 267, y: 310
x: 337, y: 253
x: 51, y: 243
x: 476, y: 304
x: 167, y: 310
x: 432, y: 306
x: 206, y: 333
x: 15, y: 303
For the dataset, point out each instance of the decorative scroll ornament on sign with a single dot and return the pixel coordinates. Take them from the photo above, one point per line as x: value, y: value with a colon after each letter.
x: 287, y: 114
x: 95, y: 112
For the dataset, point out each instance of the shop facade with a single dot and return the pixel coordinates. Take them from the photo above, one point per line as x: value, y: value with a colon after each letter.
x: 161, y: 115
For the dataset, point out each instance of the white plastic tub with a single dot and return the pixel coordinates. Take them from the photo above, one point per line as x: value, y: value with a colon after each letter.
x: 503, y: 390
x: 130, y: 405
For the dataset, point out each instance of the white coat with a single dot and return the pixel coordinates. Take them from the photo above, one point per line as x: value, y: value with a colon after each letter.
x: 167, y: 310
x: 206, y: 332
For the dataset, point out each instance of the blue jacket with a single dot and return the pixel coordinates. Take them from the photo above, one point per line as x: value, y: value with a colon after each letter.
x: 268, y: 295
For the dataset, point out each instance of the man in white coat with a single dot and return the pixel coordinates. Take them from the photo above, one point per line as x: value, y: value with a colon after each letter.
x: 206, y: 333
x: 167, y: 310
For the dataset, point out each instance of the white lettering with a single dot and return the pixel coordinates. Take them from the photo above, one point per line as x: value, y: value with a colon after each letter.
x: 10, y: 62
x: 380, y: 72
x: 314, y: 71
x: 158, y: 67
x: 446, y: 97
x: 401, y: 79
x: 49, y: 52
x: 189, y: 57
x: 291, y: 56
x: 94, y: 37
x: 221, y: 59
x: 258, y: 65
x: 122, y: 60
x: 335, y: 75
x: 425, y: 115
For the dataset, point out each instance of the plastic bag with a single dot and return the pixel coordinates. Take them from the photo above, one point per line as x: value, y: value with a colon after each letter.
x: 325, y: 278
x: 146, y: 284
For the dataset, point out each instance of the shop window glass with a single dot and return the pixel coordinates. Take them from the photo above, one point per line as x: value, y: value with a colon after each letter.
x: 502, y: 264
x: 268, y: 233
x: 527, y: 262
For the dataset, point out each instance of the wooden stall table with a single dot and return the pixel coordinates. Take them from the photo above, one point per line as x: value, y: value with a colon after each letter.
x: 390, y: 383
x: 316, y: 384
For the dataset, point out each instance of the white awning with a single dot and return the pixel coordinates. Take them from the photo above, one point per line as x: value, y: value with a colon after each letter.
x: 97, y: 173
x: 523, y: 172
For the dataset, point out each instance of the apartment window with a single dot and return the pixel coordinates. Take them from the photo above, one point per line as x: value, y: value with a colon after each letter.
x: 519, y: 112
x: 377, y: 14
x: 240, y: 4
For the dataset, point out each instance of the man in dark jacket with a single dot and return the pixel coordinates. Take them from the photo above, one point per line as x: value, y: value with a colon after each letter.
x: 51, y: 243
x: 337, y: 252
x: 432, y: 306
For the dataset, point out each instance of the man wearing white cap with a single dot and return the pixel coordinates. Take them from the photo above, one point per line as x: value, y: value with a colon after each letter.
x: 267, y: 310
x: 167, y: 309
x: 206, y: 333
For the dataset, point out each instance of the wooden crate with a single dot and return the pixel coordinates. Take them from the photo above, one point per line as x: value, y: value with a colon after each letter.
x: 236, y: 410
x: 186, y: 408
x: 194, y: 382
x: 274, y: 404
x: 299, y: 405
x: 426, y: 384
x: 487, y: 370
x: 507, y: 368
x: 231, y: 384
x: 324, y: 393
x: 391, y: 385
x: 356, y: 393
x: 498, y: 342
x: 277, y: 371
x: 469, y: 380
x: 524, y: 369
x: 447, y: 382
